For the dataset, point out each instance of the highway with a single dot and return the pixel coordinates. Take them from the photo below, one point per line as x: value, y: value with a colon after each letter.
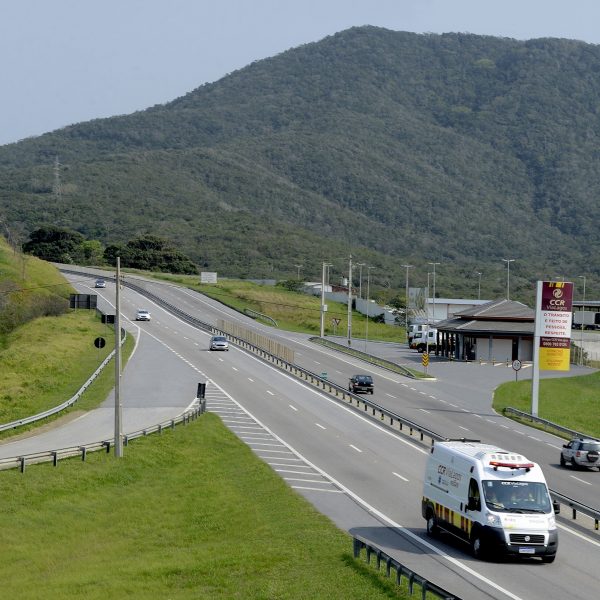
x: 364, y: 477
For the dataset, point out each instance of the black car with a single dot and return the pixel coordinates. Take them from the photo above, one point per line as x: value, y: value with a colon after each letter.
x: 361, y: 383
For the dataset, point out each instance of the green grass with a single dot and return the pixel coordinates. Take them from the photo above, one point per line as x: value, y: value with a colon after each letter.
x: 188, y: 514
x: 293, y: 311
x: 45, y: 362
x: 572, y: 402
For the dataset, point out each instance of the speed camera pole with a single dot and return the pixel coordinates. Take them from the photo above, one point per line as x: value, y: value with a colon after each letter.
x: 118, y: 408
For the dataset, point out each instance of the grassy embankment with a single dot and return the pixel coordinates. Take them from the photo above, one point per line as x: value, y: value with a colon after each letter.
x: 44, y: 361
x: 189, y: 514
x: 572, y: 402
x: 293, y: 311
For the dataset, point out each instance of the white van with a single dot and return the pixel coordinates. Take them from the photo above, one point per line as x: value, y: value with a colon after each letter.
x: 497, y: 501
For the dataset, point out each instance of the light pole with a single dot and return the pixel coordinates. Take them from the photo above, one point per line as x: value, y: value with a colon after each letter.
x: 432, y: 263
x: 350, y: 302
x: 582, y: 321
x: 407, y: 267
x: 323, y: 305
x: 368, y: 303
x: 360, y: 266
x: 478, y: 273
x: 508, y: 261
x: 298, y: 267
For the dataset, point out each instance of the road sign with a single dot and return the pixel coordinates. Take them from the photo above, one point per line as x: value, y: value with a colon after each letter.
x: 99, y: 342
x: 516, y: 365
x: 336, y: 322
x: 425, y: 359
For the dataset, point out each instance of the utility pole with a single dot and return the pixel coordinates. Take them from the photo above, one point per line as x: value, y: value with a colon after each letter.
x: 298, y: 267
x: 432, y: 263
x: 478, y: 273
x: 350, y: 302
x: 582, y: 321
x: 57, y: 187
x: 360, y: 266
x: 508, y: 261
x: 407, y: 267
x: 323, y: 305
x: 368, y: 305
x: 118, y: 408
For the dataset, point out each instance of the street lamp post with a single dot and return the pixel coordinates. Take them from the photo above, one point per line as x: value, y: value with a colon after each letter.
x: 360, y: 266
x: 478, y: 273
x: 508, y: 261
x: 407, y: 267
x: 323, y: 305
x: 434, y: 264
x: 350, y: 302
x: 368, y: 303
x: 582, y: 321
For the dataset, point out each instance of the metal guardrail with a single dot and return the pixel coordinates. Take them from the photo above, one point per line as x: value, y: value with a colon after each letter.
x: 375, y: 360
x: 369, y: 407
x: 52, y: 411
x: 549, y: 424
x: 23, y: 460
x: 254, y: 313
x: 412, y: 578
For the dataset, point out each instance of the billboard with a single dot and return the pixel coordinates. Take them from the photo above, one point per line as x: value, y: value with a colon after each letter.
x: 208, y: 277
x: 553, y: 324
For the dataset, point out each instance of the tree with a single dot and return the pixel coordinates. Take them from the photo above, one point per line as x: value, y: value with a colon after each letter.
x: 55, y: 244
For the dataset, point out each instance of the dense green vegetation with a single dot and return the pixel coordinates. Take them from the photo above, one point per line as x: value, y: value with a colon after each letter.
x: 397, y: 147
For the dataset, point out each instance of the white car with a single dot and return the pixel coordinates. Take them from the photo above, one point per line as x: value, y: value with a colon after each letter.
x: 142, y: 315
x: 100, y: 283
x: 218, y: 342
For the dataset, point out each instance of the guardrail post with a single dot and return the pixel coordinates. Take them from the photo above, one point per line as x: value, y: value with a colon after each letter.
x: 83, y: 453
x: 107, y: 444
x: 22, y: 465
x: 357, y: 544
x: 574, y: 515
x: 125, y: 440
x: 55, y: 458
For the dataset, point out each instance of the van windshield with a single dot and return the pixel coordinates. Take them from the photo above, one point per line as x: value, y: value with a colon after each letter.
x: 517, y: 496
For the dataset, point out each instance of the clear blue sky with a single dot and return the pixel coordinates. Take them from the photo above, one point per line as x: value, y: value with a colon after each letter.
x: 67, y: 61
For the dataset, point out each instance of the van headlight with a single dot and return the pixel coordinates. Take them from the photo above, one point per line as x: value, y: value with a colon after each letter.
x: 493, y: 520
x: 551, y: 522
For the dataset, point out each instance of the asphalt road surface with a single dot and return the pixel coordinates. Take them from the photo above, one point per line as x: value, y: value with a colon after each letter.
x: 367, y: 479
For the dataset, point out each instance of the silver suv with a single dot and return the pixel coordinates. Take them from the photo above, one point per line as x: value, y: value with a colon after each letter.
x: 581, y: 452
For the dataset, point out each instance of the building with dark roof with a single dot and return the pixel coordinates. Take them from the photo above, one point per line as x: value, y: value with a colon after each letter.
x: 501, y: 330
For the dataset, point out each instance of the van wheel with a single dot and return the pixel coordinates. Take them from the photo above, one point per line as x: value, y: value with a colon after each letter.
x: 477, y: 548
x: 432, y: 527
x: 548, y: 559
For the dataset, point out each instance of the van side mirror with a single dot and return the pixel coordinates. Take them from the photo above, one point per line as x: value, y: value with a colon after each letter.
x: 556, y: 507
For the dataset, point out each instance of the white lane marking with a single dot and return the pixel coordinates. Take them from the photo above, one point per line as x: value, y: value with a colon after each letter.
x: 534, y: 438
x: 425, y: 411
x: 270, y: 392
x: 399, y: 476
x: 519, y: 432
x: 581, y: 480
x: 355, y: 448
x: 423, y: 393
x: 317, y: 362
x: 553, y: 446
x: 321, y: 426
x: 478, y: 416
x: 301, y: 487
x: 454, y: 405
x: 250, y: 379
x: 505, y: 426
x: 221, y: 359
x: 293, y: 408
x: 461, y: 427
x: 308, y: 480
x: 390, y: 395
x: 253, y: 443
x: 294, y: 472
x: 342, y: 488
x: 234, y: 368
x: 433, y: 397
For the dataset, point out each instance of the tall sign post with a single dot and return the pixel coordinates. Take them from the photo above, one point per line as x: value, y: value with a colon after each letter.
x: 118, y: 407
x: 552, y: 334
x: 350, y: 302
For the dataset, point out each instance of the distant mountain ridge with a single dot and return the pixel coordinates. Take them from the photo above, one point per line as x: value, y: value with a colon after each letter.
x: 394, y: 146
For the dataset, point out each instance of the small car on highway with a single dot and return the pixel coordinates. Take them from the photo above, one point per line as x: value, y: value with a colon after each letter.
x: 100, y: 283
x: 581, y: 452
x: 218, y: 342
x: 361, y: 383
x: 142, y: 315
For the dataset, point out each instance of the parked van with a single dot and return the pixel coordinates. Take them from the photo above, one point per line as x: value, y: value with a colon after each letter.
x: 414, y: 328
x: 422, y: 338
x: 496, y: 501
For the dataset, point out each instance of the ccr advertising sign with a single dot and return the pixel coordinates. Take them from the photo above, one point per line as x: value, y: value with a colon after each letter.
x: 553, y: 324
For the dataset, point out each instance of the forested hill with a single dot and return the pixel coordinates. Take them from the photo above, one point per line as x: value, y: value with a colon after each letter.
x: 454, y: 148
